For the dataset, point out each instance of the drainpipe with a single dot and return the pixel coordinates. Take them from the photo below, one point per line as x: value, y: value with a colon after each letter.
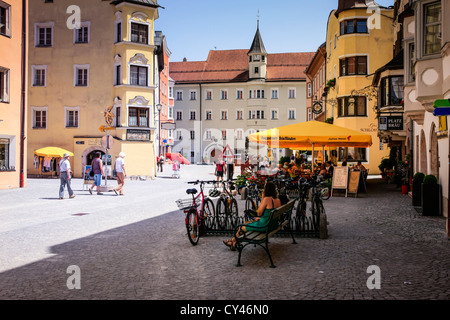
x: 22, y: 98
x: 200, y: 117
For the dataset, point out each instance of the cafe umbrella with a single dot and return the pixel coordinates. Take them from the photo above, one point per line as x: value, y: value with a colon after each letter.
x: 311, y: 134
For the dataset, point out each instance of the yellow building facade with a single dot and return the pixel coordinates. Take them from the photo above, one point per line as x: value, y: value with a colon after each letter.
x: 359, y: 41
x: 12, y: 101
x: 85, y: 61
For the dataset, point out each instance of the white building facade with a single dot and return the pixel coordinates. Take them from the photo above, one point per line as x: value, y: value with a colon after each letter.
x: 220, y: 101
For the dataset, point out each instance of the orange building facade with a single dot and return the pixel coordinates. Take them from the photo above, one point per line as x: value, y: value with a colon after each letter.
x: 12, y: 94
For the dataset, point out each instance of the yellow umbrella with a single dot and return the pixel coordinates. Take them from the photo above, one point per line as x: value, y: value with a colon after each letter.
x: 310, y: 134
x: 52, y: 152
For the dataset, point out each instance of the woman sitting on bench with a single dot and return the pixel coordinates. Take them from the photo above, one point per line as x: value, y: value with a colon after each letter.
x: 269, y: 201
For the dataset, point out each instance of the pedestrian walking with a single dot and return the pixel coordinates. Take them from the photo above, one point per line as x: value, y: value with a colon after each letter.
x: 230, y: 169
x: 65, y: 176
x: 97, y: 167
x: 161, y: 163
x: 119, y: 166
x: 220, y: 170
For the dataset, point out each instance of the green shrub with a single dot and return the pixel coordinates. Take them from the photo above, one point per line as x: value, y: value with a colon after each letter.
x: 285, y: 159
x: 429, y: 179
x: 418, y: 177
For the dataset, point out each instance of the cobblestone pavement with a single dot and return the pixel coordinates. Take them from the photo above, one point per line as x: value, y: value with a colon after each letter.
x: 135, y: 247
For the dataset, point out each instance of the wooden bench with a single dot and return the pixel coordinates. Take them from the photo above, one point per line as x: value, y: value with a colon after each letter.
x: 282, y: 215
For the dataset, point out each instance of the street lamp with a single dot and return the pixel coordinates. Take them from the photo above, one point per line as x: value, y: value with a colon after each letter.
x: 158, y: 107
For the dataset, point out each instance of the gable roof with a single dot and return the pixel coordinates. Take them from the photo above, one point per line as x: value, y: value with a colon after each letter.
x: 232, y: 66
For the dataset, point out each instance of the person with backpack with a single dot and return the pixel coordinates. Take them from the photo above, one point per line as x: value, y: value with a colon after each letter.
x: 97, y: 167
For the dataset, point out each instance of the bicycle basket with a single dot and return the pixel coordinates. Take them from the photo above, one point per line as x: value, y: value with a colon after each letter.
x: 184, y: 204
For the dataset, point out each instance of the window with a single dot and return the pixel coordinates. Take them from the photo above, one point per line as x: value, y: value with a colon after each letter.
x: 224, y: 94
x: 291, y: 93
x: 82, y: 35
x: 274, y: 93
x: 224, y: 134
x: 256, y: 70
x: 38, y: 74
x: 170, y: 115
x: 39, y: 117
x: 352, y: 106
x: 192, y: 115
x: 179, y: 95
x: 291, y: 114
x: 139, y: 33
x: 138, y: 117
x: 411, y: 71
x: 208, y: 94
x: 118, y: 32
x: 179, y: 115
x: 224, y: 115
x: 208, y: 115
x: 354, y: 26
x: 118, y: 74
x: 239, y: 134
x: 432, y: 28
x: 72, y: 116
x: 81, y: 75
x: 239, y: 114
x: 352, y: 154
x: 4, y: 154
x: 391, y: 91
x: 192, y: 134
x: 256, y: 114
x: 208, y: 135
x: 4, y: 85
x: 353, y: 66
x: 309, y: 90
x: 256, y: 94
x: 193, y: 95
x: 138, y: 76
x: 239, y: 94
x: 5, y: 16
x: 44, y: 34
x: 274, y: 114
x: 178, y: 135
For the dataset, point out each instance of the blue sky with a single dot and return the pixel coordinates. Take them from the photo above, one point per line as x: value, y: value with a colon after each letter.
x: 193, y: 27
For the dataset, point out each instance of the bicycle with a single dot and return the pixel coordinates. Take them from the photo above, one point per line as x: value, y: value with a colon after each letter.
x: 197, y: 220
x: 317, y: 208
x: 252, y: 201
x: 227, y: 208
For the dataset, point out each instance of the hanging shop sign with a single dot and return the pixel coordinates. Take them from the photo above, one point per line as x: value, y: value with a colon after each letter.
x: 138, y: 135
x: 390, y: 123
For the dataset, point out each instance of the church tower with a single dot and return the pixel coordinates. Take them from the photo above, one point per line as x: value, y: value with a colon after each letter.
x: 257, y: 57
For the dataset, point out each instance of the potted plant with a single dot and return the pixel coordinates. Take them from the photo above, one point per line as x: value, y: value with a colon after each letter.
x: 430, y: 196
x: 331, y: 83
x: 417, y: 189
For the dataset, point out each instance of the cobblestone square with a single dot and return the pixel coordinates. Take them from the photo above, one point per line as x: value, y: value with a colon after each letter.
x: 135, y: 247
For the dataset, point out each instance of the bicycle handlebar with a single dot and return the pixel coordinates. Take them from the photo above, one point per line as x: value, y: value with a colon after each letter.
x: 201, y: 181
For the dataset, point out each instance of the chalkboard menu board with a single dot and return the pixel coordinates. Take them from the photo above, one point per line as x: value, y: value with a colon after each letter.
x: 340, y: 178
x: 353, y: 182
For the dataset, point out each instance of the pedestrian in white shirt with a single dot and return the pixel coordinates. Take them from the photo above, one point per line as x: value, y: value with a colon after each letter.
x: 65, y: 176
x: 119, y: 166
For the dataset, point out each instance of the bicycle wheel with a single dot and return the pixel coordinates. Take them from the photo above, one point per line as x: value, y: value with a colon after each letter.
x: 208, y: 214
x: 221, y: 213
x: 325, y: 193
x: 250, y: 204
x: 192, y: 227
x: 300, y: 216
x: 234, y: 213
